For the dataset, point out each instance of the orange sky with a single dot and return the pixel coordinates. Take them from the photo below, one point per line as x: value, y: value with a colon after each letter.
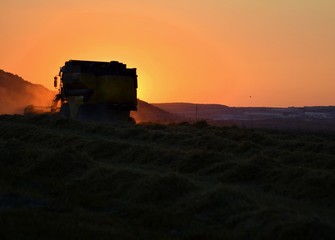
x: 281, y: 53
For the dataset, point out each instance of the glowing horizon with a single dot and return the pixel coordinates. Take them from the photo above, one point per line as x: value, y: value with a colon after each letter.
x: 231, y: 52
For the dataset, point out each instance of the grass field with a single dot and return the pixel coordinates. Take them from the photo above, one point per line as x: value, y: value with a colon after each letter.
x: 65, y: 179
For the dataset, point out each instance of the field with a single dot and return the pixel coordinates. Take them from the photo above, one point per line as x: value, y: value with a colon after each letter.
x: 65, y: 179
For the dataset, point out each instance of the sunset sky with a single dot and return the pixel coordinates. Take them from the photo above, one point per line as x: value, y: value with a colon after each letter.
x: 275, y: 53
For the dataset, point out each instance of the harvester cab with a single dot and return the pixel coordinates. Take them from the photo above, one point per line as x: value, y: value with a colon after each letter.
x: 95, y: 90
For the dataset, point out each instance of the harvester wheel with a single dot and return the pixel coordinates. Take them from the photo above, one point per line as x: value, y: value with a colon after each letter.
x: 65, y: 110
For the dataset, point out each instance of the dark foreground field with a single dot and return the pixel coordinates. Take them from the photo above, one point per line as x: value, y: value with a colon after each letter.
x: 64, y: 179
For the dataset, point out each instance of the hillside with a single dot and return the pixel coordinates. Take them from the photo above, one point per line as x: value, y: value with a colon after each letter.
x: 17, y: 93
x: 65, y: 179
x: 149, y: 113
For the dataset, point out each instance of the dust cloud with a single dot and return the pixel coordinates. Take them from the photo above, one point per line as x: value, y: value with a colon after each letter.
x: 17, y: 93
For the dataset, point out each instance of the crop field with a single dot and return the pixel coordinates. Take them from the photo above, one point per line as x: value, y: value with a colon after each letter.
x: 66, y: 179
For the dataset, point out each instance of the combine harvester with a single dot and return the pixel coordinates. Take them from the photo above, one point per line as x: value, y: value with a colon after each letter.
x: 95, y: 91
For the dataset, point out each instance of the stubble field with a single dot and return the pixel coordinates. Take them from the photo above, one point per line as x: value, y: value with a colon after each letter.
x: 66, y: 179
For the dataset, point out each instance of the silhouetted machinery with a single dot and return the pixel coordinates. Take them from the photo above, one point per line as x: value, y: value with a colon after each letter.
x: 96, y: 90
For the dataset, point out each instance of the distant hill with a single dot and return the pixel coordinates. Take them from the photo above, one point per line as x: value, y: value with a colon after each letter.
x: 149, y: 113
x: 193, y: 111
x: 311, y: 118
x: 16, y: 94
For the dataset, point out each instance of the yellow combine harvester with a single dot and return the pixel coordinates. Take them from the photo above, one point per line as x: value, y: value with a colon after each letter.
x: 95, y: 90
